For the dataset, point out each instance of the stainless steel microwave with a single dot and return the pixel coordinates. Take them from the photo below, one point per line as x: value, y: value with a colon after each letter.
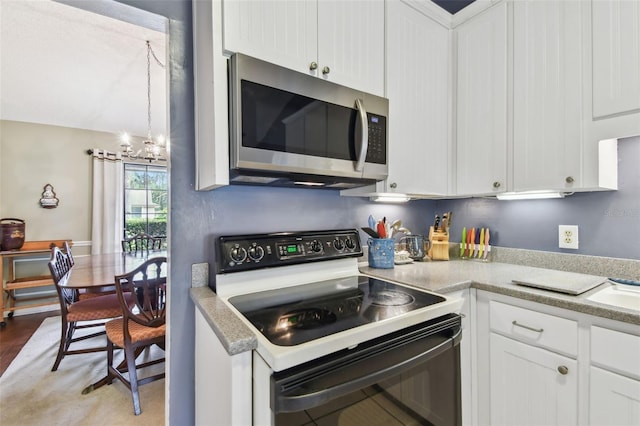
x: 288, y: 128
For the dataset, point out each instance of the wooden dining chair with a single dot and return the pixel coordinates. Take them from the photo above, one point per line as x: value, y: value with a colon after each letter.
x: 87, y: 293
x: 142, y: 242
x: 142, y: 325
x: 79, y: 314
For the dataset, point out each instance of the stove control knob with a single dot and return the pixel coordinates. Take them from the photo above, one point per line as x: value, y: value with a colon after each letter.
x: 350, y: 243
x: 338, y: 244
x: 256, y: 253
x: 316, y: 246
x: 238, y: 254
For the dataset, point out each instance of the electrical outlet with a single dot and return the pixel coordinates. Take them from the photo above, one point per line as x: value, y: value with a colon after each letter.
x: 568, y: 236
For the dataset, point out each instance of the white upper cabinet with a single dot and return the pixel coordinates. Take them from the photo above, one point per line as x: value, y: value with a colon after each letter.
x: 481, y: 103
x: 418, y: 88
x: 351, y: 43
x: 616, y: 58
x: 612, y: 83
x: 340, y: 41
x: 281, y: 32
x: 547, y: 85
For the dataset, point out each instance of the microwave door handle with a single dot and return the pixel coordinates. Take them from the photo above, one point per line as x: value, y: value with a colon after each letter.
x: 362, y: 130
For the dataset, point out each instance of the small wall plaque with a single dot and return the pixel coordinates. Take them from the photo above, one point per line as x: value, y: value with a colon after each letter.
x: 49, y: 200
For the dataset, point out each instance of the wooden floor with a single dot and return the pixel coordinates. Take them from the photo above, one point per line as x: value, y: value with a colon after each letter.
x: 16, y: 333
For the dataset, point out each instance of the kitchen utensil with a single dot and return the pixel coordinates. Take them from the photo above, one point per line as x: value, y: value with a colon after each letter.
x: 463, y: 241
x: 481, y: 243
x: 406, y: 231
x: 468, y: 250
x: 417, y: 245
x: 486, y: 243
x: 372, y: 222
x: 382, y: 232
x: 371, y: 232
x: 395, y: 226
x: 474, y: 247
x: 436, y: 222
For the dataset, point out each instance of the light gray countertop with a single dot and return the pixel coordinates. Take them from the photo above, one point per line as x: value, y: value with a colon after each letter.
x: 437, y: 276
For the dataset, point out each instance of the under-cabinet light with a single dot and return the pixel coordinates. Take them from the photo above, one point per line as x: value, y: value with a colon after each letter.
x: 309, y: 183
x: 390, y: 198
x: 533, y: 195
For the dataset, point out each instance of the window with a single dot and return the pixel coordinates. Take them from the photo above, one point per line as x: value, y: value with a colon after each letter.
x: 145, y: 199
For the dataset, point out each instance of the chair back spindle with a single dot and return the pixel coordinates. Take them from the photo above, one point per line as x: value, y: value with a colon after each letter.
x: 142, y: 242
x: 148, y: 283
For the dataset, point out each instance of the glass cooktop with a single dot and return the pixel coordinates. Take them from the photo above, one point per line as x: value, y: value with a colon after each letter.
x: 299, y: 314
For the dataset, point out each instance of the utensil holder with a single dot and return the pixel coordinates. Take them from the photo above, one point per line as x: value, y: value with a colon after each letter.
x: 439, y: 245
x: 472, y: 252
x: 381, y: 252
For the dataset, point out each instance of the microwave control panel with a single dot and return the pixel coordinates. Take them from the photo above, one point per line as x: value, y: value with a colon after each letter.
x: 377, y: 152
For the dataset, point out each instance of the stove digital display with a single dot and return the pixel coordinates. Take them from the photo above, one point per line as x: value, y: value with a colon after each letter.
x: 292, y: 249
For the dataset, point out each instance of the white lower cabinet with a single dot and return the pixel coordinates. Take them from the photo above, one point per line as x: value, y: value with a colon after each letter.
x: 531, y: 386
x: 541, y: 365
x: 222, y: 381
x: 614, y: 386
x: 533, y: 377
x: 613, y: 399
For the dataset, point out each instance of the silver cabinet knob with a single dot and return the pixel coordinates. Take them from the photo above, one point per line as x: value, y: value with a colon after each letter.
x: 496, y: 184
x: 313, y: 66
x: 393, y: 185
x: 326, y: 70
x: 569, y: 179
x: 563, y: 370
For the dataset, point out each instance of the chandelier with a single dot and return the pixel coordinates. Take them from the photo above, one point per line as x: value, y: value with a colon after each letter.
x: 153, y: 149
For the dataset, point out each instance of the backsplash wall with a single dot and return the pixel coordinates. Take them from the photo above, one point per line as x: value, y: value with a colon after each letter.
x: 609, y: 221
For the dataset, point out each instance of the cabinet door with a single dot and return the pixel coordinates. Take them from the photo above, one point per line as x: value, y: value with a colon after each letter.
x: 614, y: 399
x: 351, y: 43
x: 482, y: 103
x: 527, y: 387
x: 547, y: 82
x: 418, y: 90
x: 280, y: 32
x: 616, y: 57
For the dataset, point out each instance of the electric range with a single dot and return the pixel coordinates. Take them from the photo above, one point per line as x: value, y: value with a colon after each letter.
x: 304, y: 297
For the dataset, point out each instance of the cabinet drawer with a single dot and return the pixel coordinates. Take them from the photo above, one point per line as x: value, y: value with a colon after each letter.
x: 616, y: 351
x: 535, y: 328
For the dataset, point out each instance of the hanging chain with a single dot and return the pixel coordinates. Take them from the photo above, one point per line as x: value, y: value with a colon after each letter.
x: 149, y: 53
x: 149, y: 140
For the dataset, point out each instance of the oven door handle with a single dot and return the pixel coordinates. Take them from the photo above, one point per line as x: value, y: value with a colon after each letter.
x: 303, y: 396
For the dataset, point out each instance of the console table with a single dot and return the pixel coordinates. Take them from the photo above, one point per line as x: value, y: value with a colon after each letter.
x: 28, y: 249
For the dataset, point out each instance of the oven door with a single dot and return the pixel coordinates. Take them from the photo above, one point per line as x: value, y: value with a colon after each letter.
x: 408, y: 377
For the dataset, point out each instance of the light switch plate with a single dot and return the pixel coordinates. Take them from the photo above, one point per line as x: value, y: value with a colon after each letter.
x: 568, y: 236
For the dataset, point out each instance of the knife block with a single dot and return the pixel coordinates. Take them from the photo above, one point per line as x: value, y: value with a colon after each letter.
x: 439, y: 249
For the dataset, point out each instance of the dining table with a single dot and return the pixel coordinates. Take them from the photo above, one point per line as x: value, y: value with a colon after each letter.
x: 97, y: 271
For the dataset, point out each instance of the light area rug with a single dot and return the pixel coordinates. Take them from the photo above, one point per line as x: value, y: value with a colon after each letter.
x: 32, y: 394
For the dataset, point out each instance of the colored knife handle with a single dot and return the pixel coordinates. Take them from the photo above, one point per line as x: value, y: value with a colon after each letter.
x: 481, y: 244
x: 463, y: 241
x: 486, y: 243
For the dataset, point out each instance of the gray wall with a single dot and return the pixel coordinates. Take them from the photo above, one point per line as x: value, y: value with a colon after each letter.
x: 196, y: 218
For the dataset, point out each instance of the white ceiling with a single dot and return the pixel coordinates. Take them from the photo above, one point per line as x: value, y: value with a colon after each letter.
x: 64, y: 66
